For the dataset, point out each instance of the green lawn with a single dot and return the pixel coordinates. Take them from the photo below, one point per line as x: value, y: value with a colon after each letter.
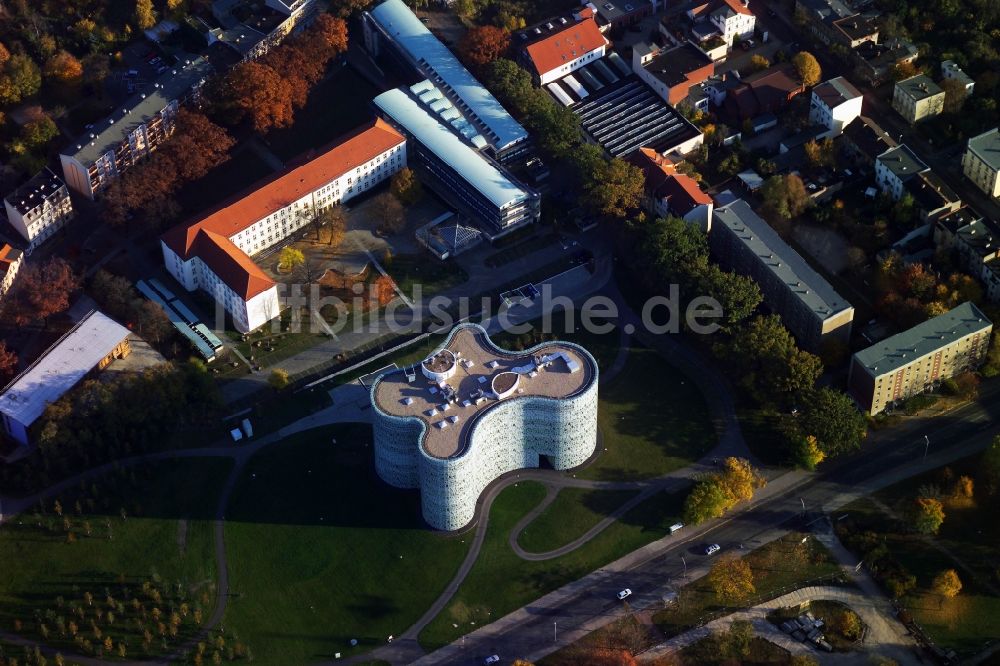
x: 778, y: 568
x: 482, y: 599
x: 653, y: 421
x: 970, y: 532
x: 141, y: 534
x: 321, y: 551
x: 571, y: 514
x: 434, y: 276
x: 336, y: 105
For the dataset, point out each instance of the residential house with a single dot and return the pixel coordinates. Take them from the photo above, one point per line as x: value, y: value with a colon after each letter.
x: 39, y: 208
x: 11, y: 259
x: 951, y: 70
x: 916, y: 360
x: 669, y: 192
x: 767, y: 91
x: 864, y: 140
x: 874, y: 62
x: 895, y: 168
x: 671, y: 72
x: 732, y: 20
x: 619, y: 14
x: 834, y: 104
x: 917, y: 98
x: 981, y: 162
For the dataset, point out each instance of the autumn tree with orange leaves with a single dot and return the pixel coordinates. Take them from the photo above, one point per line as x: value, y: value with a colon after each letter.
x: 64, y: 67
x: 41, y: 291
x: 483, y: 44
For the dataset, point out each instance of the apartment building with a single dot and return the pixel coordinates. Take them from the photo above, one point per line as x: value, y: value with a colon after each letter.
x: 93, y: 344
x: 914, y: 361
x: 917, y: 98
x: 895, y: 168
x: 864, y: 140
x: 671, y: 72
x: 39, y: 208
x: 808, y: 306
x: 213, y: 253
x: 981, y: 162
x: 834, y: 104
x: 732, y: 19
x: 669, y: 192
x: 974, y: 242
x: 395, y: 31
x: 127, y: 136
x: 478, y: 186
x: 553, y: 49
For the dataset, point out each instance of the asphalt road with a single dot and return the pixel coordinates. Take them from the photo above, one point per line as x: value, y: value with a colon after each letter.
x: 882, y: 462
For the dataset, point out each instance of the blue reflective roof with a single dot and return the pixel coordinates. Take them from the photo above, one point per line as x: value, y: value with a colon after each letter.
x: 406, y: 112
x: 406, y: 30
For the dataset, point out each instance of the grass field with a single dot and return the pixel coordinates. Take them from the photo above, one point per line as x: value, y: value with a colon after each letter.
x: 571, y: 514
x: 336, y: 105
x: 970, y: 532
x: 137, y: 527
x: 321, y: 551
x: 779, y: 565
x: 653, y: 420
x: 481, y: 599
x: 433, y: 276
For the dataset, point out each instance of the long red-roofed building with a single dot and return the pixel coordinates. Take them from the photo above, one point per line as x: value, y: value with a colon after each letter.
x: 214, y: 252
x: 565, y: 47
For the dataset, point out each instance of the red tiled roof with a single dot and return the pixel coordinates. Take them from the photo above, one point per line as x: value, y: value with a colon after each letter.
x: 8, y: 255
x: 738, y: 7
x: 567, y: 45
x: 255, y: 204
x: 663, y: 180
x: 231, y: 264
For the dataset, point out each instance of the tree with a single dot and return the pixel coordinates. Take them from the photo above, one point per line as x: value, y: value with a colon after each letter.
x: 739, y: 480
x: 904, y: 70
x: 706, y: 500
x: 483, y: 44
x: 834, y: 420
x: 39, y: 131
x: 334, y: 219
x: 20, y: 78
x: 385, y: 290
x: 947, y: 584
x: 758, y: 63
x: 289, y: 258
x: 278, y: 379
x: 145, y: 17
x: 731, y: 579
x: 807, y: 453
x: 821, y: 153
x: 954, y: 95
x: 154, y: 324
x: 928, y: 515
x: 64, y: 67
x: 388, y: 213
x: 738, y: 294
x: 785, y: 197
x: 807, y: 68
x: 988, y: 470
x: 716, y: 493
x: 260, y: 93
x: 8, y: 362
x: 615, y: 188
x: 42, y: 290
x: 406, y: 187
x: 849, y: 624
x: 770, y: 364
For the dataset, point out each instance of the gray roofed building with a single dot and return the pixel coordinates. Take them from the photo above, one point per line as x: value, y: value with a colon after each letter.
x: 895, y: 167
x: 917, y: 98
x: 981, y: 162
x: 910, y: 362
x: 396, y: 24
x: 809, y: 307
x: 483, y: 188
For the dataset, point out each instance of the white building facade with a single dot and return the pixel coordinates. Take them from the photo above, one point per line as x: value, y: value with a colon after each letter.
x: 981, y: 162
x: 509, y: 434
x: 39, y: 208
x: 834, y: 104
x: 734, y: 21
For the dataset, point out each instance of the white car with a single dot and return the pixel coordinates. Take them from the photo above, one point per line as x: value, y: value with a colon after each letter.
x: 624, y: 594
x: 712, y: 549
x: 492, y: 659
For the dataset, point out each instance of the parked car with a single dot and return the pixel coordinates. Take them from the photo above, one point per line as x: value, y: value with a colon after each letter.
x: 712, y: 548
x: 624, y: 594
x: 492, y: 659
x: 747, y: 44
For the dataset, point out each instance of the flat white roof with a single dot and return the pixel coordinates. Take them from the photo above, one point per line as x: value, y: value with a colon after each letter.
x: 61, y: 367
x: 406, y: 112
x: 406, y: 30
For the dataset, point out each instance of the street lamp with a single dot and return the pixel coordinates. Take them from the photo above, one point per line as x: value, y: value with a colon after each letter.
x: 685, y: 566
x: 555, y: 626
x: 927, y: 444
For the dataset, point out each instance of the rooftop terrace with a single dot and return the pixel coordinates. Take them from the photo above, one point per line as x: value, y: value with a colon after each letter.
x: 474, y: 372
